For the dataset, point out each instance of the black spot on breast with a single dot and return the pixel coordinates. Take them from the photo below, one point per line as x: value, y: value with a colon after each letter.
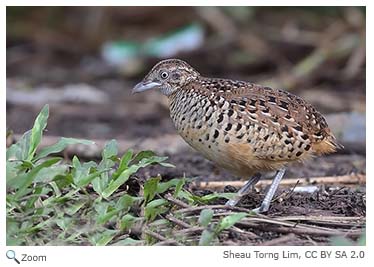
x: 208, y: 116
x: 238, y: 126
x: 253, y: 103
x: 249, y: 140
x: 228, y: 127
x: 242, y: 102
x: 307, y: 147
x: 305, y: 136
x: 298, y: 154
x: 227, y: 139
x: 266, y: 110
x: 266, y: 137
x: 262, y: 103
x: 207, y: 137
x: 220, y: 118
x: 271, y: 99
x: 283, y: 104
x: 200, y: 140
x: 298, y: 128
x: 230, y: 112
x: 240, y: 136
x: 284, y: 128
x: 300, y: 145
x: 287, y: 141
x: 216, y: 134
x: 233, y: 101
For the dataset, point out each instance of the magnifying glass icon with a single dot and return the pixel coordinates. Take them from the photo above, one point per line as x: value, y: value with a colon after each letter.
x: 10, y: 254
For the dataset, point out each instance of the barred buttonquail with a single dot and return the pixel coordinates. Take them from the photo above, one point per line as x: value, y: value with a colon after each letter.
x: 243, y: 127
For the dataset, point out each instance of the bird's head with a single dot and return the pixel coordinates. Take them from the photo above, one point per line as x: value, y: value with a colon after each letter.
x: 168, y: 75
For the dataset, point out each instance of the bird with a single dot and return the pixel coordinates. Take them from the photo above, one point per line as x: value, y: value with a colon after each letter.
x: 243, y: 127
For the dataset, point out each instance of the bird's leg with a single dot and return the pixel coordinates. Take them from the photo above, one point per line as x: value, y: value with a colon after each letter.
x: 244, y: 190
x: 271, y: 191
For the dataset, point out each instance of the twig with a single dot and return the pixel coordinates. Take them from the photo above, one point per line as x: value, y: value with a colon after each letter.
x: 190, y: 231
x: 343, y: 179
x: 176, y: 201
x: 242, y: 232
x: 160, y: 237
x: 166, y: 243
x: 288, y: 227
x: 223, y: 207
x: 279, y: 240
x: 177, y: 221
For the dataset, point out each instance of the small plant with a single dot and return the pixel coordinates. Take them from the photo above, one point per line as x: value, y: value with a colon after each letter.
x: 52, y: 201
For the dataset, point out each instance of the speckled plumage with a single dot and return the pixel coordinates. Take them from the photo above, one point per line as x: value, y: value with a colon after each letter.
x: 241, y: 126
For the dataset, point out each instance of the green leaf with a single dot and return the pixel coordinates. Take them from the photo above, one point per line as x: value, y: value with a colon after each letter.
x: 126, y: 201
x: 84, y: 173
x: 362, y: 240
x: 75, y: 207
x: 104, y: 218
x: 207, y: 237
x: 23, y: 181
x: 207, y: 198
x: 60, y: 146
x: 106, y: 237
x: 216, y: 195
x: 64, y: 223
x: 123, y: 165
x: 47, y: 175
x: 128, y: 242
x: 154, y: 208
x: 230, y: 220
x: 205, y: 217
x: 179, y: 187
x: 128, y: 221
x: 150, y: 188
x: 87, y: 179
x: 162, y: 187
x: 141, y: 155
x: 37, y: 131
x: 110, y: 150
x: 20, y: 150
x: 124, y: 176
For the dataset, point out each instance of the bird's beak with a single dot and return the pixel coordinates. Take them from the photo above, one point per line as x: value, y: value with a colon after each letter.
x: 144, y: 86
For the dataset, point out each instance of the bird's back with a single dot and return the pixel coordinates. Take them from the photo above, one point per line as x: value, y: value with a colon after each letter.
x: 246, y: 127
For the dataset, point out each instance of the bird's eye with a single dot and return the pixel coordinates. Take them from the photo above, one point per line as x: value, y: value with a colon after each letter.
x: 164, y: 74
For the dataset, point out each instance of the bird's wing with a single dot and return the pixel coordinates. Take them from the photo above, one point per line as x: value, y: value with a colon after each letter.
x: 288, y: 118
